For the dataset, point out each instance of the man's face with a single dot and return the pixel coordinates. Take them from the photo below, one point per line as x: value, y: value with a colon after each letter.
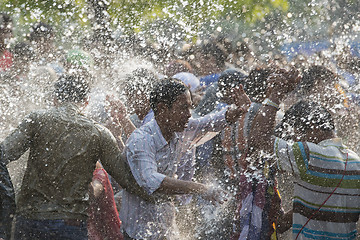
x: 179, y: 113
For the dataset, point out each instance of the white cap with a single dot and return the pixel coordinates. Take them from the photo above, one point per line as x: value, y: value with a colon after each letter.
x: 188, y: 79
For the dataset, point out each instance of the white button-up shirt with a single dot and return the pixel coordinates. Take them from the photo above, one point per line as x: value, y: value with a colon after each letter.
x: 151, y: 158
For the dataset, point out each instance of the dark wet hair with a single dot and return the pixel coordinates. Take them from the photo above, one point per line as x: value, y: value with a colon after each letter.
x: 166, y: 91
x: 23, y: 50
x: 140, y: 79
x: 212, y: 49
x: 5, y: 19
x: 304, y: 116
x: 178, y: 66
x: 256, y: 85
x: 229, y: 79
x: 40, y: 31
x: 314, y: 76
x: 71, y: 88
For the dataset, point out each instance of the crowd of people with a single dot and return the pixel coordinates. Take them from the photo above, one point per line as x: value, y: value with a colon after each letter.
x: 116, y: 139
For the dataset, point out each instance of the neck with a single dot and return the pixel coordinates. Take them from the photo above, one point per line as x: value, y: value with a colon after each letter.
x: 164, y: 128
x: 141, y: 115
x: 324, y: 135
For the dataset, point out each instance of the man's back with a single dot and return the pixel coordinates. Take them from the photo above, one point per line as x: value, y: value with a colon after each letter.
x: 64, y: 147
x: 320, y: 168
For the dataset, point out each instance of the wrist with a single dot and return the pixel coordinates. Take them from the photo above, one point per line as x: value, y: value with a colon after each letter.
x: 270, y: 102
x: 276, y: 97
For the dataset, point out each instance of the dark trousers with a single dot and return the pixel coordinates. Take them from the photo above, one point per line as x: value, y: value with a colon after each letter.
x: 126, y: 236
x: 31, y: 229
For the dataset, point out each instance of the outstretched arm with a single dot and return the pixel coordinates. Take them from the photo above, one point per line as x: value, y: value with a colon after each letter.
x: 172, y: 186
x: 281, y: 82
x: 242, y: 103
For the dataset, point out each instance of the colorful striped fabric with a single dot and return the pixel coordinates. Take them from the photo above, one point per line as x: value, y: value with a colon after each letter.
x: 318, y: 169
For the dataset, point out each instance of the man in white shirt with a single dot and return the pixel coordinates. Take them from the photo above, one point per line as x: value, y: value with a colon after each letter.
x: 154, y: 150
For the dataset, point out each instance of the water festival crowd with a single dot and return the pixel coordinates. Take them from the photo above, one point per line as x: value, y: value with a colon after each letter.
x: 116, y: 137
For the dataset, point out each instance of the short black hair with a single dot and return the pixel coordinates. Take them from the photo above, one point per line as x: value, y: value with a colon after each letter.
x: 71, y: 88
x: 212, y: 49
x: 315, y: 75
x: 140, y: 79
x: 40, y: 31
x: 306, y: 115
x: 23, y: 50
x: 166, y: 91
x: 229, y: 79
x: 256, y: 85
x: 5, y: 19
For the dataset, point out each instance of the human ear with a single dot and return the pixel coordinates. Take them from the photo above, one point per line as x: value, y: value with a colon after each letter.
x: 162, y: 108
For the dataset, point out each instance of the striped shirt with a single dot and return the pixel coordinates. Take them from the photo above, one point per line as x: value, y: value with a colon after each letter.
x: 318, y: 169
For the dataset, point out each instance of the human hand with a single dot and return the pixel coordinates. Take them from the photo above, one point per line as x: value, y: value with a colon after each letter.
x: 116, y: 108
x: 282, y: 82
x: 214, y: 195
x: 241, y: 100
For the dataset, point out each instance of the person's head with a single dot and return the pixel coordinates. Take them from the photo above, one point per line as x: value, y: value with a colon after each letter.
x: 42, y: 35
x: 316, y: 78
x: 188, y: 79
x: 6, y: 28
x: 306, y: 121
x: 178, y: 66
x: 138, y: 86
x: 23, y: 55
x: 79, y: 62
x: 228, y: 80
x: 256, y: 84
x: 212, y: 59
x: 170, y: 100
x: 71, y: 88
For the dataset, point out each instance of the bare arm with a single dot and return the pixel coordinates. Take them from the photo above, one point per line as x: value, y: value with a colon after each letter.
x: 172, y: 186
x: 242, y: 104
x: 119, y: 121
x: 263, y: 125
x: 176, y: 186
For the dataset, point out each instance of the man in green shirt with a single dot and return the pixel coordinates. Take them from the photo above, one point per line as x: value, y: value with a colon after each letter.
x: 64, y: 147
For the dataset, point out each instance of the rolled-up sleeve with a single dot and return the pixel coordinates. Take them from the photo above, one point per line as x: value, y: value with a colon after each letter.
x: 140, y: 154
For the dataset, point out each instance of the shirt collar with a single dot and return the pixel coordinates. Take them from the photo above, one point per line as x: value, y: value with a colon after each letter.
x: 69, y: 106
x: 158, y: 137
x: 337, y: 142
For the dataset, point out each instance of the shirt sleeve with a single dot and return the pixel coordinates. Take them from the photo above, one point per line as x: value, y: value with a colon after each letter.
x: 115, y: 164
x: 140, y: 154
x: 213, y: 122
x: 19, y: 140
x: 289, y: 155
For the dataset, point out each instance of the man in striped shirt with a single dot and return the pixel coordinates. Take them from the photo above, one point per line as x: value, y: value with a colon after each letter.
x: 327, y: 186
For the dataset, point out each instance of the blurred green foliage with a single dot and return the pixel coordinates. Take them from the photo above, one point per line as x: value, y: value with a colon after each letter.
x: 132, y: 15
